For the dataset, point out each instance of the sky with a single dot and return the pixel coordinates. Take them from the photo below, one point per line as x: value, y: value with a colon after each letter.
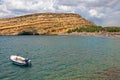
x: 101, y: 12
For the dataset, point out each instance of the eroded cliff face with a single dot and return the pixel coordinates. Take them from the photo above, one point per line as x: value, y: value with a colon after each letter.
x: 42, y: 23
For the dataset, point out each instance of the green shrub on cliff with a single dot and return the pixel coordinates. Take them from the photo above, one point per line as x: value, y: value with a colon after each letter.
x: 112, y: 29
x: 95, y: 29
x: 87, y: 29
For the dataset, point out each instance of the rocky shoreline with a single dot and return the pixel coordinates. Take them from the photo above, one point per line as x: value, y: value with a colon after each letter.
x: 106, y: 34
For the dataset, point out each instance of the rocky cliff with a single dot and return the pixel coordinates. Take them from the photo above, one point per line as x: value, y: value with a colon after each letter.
x: 42, y: 23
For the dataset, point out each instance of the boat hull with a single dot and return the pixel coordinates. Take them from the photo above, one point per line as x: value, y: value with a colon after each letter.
x: 17, y: 63
x: 21, y: 62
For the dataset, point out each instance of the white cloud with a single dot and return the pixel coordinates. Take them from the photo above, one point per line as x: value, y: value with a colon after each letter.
x: 4, y: 12
x: 112, y: 19
x: 28, y: 6
x: 63, y: 8
x: 89, y: 0
x: 95, y: 13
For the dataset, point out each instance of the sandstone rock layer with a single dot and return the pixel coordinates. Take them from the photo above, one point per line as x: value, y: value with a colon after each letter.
x: 42, y: 23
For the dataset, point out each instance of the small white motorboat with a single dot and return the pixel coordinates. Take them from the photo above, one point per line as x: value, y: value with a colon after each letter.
x: 18, y: 60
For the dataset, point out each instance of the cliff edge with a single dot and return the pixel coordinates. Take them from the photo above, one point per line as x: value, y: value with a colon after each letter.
x: 42, y: 23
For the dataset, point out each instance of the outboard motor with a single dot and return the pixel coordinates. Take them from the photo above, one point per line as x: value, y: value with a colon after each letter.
x: 28, y: 62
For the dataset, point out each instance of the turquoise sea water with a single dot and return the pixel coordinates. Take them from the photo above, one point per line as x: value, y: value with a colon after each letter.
x: 58, y: 57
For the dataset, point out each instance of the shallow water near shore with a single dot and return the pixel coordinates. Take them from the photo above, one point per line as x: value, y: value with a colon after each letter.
x: 58, y: 57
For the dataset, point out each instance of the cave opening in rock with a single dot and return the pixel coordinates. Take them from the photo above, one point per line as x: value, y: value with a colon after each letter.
x: 28, y: 33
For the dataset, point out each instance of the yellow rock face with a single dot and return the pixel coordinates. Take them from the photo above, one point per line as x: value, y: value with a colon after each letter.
x: 42, y: 23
